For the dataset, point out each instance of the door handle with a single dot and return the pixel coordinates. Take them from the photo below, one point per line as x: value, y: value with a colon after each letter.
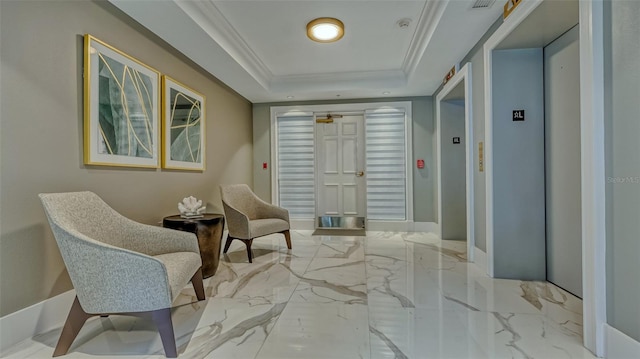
x: 360, y: 174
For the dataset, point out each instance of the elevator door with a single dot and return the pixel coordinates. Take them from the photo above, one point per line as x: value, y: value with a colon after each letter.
x: 562, y: 162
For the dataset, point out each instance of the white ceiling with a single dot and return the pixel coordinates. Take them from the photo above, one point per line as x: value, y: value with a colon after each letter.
x: 260, y: 49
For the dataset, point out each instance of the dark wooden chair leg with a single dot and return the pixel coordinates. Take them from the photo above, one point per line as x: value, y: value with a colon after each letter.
x: 196, y: 280
x: 248, y: 243
x: 227, y: 244
x: 287, y: 237
x: 162, y: 319
x: 76, y: 319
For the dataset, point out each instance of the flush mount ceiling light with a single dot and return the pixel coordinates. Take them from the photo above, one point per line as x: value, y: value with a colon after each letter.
x: 325, y: 29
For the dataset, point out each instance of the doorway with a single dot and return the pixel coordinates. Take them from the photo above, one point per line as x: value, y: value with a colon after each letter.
x: 454, y: 207
x: 539, y: 19
x: 384, y: 192
x: 340, y: 167
x: 455, y: 160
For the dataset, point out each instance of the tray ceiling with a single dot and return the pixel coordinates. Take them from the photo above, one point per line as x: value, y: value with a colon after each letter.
x: 260, y: 49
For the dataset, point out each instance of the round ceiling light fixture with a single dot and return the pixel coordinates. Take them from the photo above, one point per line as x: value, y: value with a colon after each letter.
x: 325, y: 29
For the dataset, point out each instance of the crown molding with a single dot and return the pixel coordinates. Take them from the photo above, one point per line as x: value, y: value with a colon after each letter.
x: 212, y: 21
x: 426, y: 27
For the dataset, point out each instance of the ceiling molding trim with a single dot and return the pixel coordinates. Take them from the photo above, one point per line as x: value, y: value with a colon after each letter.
x: 339, y: 81
x: 426, y: 27
x: 206, y: 15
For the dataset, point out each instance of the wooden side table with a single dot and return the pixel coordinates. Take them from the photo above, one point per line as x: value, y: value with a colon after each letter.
x: 209, y: 230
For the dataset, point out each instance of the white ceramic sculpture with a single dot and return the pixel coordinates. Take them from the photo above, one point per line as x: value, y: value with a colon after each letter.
x: 191, y: 207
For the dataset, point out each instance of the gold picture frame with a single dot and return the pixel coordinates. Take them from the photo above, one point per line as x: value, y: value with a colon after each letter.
x: 121, y: 108
x: 183, y: 126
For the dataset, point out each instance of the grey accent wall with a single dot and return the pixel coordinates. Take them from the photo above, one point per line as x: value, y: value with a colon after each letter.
x: 424, y: 180
x: 518, y: 165
x: 453, y: 167
x: 41, y: 87
x: 562, y: 162
x: 622, y: 90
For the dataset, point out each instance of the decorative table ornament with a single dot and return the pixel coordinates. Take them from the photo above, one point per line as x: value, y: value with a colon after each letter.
x: 191, y: 207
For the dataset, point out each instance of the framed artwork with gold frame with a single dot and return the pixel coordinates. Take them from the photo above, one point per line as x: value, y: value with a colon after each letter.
x: 183, y: 126
x: 121, y: 108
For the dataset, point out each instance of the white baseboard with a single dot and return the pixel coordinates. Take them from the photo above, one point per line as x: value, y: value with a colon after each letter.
x: 36, y: 319
x: 480, y: 259
x: 619, y: 345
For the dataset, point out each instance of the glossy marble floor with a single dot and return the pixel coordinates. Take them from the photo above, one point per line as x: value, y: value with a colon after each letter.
x: 387, y: 295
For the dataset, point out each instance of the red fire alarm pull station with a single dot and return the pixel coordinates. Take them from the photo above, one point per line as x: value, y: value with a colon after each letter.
x: 420, y: 163
x: 264, y: 165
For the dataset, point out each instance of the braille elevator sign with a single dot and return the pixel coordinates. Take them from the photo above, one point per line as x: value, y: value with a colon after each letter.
x: 518, y: 115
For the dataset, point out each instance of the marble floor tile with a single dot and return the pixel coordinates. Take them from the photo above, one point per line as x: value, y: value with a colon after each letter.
x: 400, y: 284
x: 232, y: 329
x: 420, y: 333
x: 386, y: 295
x: 329, y: 280
x: 339, y: 248
x: 510, y: 335
x: 318, y: 330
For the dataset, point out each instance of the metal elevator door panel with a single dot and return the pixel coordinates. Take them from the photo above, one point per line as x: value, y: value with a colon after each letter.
x: 562, y: 162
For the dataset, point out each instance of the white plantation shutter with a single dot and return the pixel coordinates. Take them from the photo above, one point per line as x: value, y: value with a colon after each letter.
x: 386, y: 165
x: 296, y: 166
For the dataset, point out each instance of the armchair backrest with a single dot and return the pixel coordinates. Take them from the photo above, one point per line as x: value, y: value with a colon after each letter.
x: 241, y: 198
x: 83, y: 212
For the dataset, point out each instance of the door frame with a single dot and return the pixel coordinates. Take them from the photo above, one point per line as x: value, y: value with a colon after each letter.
x: 302, y: 109
x: 464, y: 74
x: 591, y: 22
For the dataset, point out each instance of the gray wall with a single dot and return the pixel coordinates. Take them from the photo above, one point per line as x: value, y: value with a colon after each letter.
x: 518, y: 165
x: 623, y: 178
x: 41, y: 136
x: 453, y: 167
x: 424, y: 180
x: 562, y: 162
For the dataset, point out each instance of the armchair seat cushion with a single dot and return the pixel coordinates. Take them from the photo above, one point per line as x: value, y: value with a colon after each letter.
x: 180, y: 268
x: 262, y: 227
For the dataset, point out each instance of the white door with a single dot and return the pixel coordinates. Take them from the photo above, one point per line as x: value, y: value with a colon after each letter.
x: 340, y: 168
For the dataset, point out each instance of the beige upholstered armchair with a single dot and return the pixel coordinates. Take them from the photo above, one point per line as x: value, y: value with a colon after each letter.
x: 249, y: 217
x: 118, y: 266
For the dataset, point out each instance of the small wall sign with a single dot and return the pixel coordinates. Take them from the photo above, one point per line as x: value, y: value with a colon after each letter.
x: 518, y: 115
x: 456, y: 140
